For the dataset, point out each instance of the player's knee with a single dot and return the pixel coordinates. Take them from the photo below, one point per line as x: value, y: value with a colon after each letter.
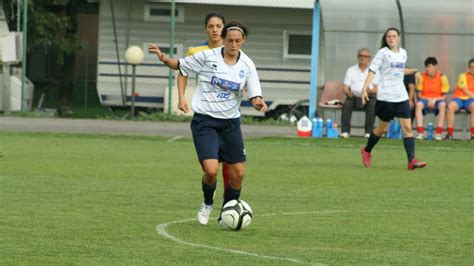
x: 211, y: 174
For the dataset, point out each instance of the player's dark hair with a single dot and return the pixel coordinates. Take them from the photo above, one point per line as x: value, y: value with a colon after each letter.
x: 384, y: 41
x: 213, y: 15
x: 431, y: 61
x: 471, y: 61
x: 235, y: 24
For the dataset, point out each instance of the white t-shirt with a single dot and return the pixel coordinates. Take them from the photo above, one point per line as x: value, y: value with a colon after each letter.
x: 390, y: 66
x: 220, y: 88
x: 355, y: 79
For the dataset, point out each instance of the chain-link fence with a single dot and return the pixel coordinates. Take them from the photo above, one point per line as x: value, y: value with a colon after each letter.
x: 76, y: 50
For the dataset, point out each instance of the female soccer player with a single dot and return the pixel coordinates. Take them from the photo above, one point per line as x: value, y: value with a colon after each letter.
x: 392, y: 97
x: 213, y: 25
x: 223, y: 74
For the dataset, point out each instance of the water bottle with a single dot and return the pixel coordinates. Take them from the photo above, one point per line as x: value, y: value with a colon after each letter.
x: 320, y: 123
x: 329, y: 123
x: 390, y: 130
x: 398, y: 130
x: 430, y: 131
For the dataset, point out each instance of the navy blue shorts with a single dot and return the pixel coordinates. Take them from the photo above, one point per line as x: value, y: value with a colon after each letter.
x: 386, y: 111
x: 219, y: 139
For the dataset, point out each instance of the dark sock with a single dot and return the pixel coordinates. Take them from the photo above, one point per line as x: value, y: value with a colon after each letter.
x: 409, y: 147
x: 208, y: 191
x: 373, y: 139
x: 231, y: 194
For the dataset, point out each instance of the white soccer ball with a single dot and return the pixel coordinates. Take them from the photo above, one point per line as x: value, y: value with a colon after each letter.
x: 236, y: 214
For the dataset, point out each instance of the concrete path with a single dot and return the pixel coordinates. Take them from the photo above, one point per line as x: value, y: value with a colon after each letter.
x: 125, y: 127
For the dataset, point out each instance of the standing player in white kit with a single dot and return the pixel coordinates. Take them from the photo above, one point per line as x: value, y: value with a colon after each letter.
x: 392, y: 97
x: 223, y: 74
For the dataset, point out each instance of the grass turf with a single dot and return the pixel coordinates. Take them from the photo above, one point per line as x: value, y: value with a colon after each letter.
x: 90, y: 199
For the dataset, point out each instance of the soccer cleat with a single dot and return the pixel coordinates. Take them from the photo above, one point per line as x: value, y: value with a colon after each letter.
x: 448, y: 137
x: 438, y: 137
x: 415, y: 164
x: 204, y: 213
x: 419, y: 137
x: 366, y: 157
x: 344, y: 135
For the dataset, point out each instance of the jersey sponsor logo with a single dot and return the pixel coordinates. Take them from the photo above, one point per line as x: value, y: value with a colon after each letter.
x: 241, y: 73
x: 223, y: 95
x: 214, y: 67
x: 224, y: 84
x: 397, y: 65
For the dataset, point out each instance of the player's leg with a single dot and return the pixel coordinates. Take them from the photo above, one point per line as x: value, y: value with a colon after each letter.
x: 441, y: 111
x: 402, y: 111
x: 370, y: 115
x: 232, y: 152
x: 453, y: 107
x: 225, y: 176
x: 419, y: 112
x: 470, y: 109
x: 384, y: 111
x: 206, y: 143
x: 236, y: 177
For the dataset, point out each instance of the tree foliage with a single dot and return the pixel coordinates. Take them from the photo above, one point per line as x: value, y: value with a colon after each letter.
x: 51, y: 25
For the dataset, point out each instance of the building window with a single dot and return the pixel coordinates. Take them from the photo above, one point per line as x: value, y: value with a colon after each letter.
x: 165, y: 48
x: 297, y: 45
x: 162, y: 12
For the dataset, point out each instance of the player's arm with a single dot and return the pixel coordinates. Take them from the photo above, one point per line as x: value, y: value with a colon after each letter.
x: 409, y: 71
x: 182, y: 83
x: 347, y: 83
x: 364, y: 94
x: 462, y: 84
x: 255, y: 90
x: 444, y: 87
x: 172, y: 63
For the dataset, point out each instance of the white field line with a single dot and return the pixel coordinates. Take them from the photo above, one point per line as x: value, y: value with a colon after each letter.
x: 174, y: 138
x: 161, y: 230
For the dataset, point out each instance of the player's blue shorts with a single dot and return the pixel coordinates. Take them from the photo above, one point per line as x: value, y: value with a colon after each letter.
x: 219, y: 139
x: 435, y: 110
x: 386, y: 111
x: 463, y: 104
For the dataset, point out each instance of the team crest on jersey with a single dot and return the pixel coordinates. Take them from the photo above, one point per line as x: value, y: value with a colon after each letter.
x: 242, y: 74
x: 225, y: 84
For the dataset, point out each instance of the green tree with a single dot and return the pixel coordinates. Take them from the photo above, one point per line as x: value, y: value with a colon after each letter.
x: 52, y: 30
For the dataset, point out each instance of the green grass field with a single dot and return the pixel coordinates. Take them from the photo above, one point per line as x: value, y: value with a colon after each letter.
x: 103, y: 200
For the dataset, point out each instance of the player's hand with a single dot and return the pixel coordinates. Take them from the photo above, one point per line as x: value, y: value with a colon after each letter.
x: 183, y: 105
x: 364, y: 96
x: 259, y: 104
x: 431, y: 103
x: 153, y: 48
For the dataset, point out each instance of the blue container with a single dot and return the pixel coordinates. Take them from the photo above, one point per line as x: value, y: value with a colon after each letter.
x: 317, y: 131
x: 328, y: 123
x: 430, y: 131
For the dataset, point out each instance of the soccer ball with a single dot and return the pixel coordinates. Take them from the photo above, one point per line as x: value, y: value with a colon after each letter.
x: 236, y: 214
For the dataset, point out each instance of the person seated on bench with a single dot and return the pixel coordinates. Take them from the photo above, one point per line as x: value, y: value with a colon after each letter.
x: 353, y: 82
x: 463, y: 98
x: 432, y: 93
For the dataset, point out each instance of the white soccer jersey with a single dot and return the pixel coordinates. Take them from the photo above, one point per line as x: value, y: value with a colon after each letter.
x: 355, y: 79
x: 390, y: 66
x: 220, y: 88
